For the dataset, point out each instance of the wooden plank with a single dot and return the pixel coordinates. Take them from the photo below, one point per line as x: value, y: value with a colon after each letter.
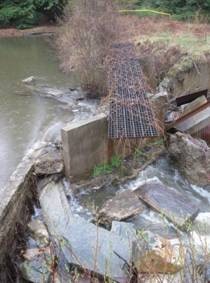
x: 190, y: 97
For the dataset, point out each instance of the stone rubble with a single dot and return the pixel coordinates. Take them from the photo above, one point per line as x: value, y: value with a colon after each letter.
x: 49, y: 163
x: 39, y: 232
x: 83, y: 243
x: 154, y: 254
x: 176, y: 207
x: 122, y: 207
x: 36, y: 267
x: 192, y: 156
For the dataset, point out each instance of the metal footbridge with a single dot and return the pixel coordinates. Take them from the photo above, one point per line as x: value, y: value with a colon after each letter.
x: 130, y: 113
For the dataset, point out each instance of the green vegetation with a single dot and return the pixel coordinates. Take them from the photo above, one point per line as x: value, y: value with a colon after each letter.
x: 183, y: 10
x: 26, y: 13
x: 186, y: 40
x: 107, y: 168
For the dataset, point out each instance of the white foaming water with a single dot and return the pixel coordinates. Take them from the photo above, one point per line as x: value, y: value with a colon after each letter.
x: 140, y: 182
x: 154, y: 217
x: 144, y: 177
x: 75, y: 206
x: 201, y: 192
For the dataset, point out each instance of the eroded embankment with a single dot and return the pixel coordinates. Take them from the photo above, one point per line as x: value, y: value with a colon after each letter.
x: 16, y: 207
x: 188, y: 75
x: 18, y: 200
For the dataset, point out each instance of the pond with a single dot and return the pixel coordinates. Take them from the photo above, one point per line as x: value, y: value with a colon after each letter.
x: 23, y: 114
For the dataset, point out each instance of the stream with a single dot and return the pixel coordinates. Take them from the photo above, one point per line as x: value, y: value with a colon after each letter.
x: 36, y: 110
x: 25, y: 113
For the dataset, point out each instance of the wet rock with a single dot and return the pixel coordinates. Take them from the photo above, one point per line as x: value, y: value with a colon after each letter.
x: 36, y: 268
x: 124, y: 230
x: 171, y: 116
x: 192, y: 156
x: 176, y: 207
x: 64, y: 95
x: 202, y: 223
x: 155, y: 223
x: 53, y: 134
x: 39, y: 232
x: 207, y: 273
x: 168, y: 278
x: 29, y: 80
x: 83, y: 243
x: 123, y: 206
x: 49, y: 163
x: 154, y: 254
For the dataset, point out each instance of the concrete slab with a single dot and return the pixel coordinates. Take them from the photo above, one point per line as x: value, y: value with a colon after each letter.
x: 176, y: 207
x: 15, y: 208
x: 85, y: 144
x: 123, y: 206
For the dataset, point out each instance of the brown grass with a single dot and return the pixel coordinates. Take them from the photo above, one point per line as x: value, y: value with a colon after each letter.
x: 151, y: 25
x: 89, y: 30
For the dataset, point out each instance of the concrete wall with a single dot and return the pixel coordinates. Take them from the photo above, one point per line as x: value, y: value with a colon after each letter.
x: 15, y: 211
x: 85, y: 144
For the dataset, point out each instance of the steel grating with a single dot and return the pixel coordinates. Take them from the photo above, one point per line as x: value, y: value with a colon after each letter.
x: 130, y: 114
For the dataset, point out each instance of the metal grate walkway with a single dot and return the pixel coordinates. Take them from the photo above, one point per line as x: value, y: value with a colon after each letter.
x: 130, y: 113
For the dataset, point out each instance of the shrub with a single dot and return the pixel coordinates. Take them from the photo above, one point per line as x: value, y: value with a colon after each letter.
x: 24, y: 14
x: 183, y: 10
x: 89, y: 30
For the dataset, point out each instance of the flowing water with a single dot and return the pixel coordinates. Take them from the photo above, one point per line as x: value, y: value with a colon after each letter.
x: 24, y: 113
x: 162, y: 171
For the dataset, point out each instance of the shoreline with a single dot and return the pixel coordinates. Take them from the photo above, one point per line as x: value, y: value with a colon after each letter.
x: 40, y: 30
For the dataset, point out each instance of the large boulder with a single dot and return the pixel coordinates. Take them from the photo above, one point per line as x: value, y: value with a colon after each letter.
x: 193, y: 157
x: 175, y: 206
x: 83, y: 243
x: 122, y: 207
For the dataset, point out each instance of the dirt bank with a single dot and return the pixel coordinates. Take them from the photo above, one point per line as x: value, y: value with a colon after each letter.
x: 13, y: 32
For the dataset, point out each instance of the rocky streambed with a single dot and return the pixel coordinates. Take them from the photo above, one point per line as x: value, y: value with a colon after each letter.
x: 151, y: 227
x: 149, y: 221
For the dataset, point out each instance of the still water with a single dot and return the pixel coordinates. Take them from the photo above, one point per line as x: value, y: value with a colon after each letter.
x: 23, y: 114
